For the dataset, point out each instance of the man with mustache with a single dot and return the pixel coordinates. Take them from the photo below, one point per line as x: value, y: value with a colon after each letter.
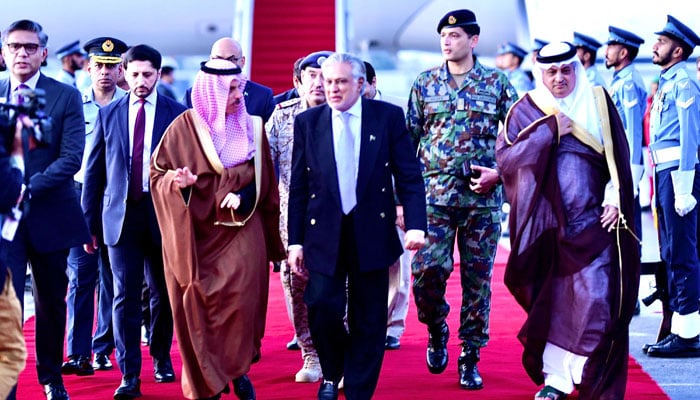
x: 674, y: 128
x: 574, y: 267
x: 117, y: 201
x: 280, y: 133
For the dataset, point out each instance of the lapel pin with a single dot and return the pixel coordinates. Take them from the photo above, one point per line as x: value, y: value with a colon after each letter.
x: 372, y: 138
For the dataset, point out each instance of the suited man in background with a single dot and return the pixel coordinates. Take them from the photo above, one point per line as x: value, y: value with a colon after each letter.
x: 51, y: 222
x: 117, y: 199
x: 342, y: 222
x: 258, y: 98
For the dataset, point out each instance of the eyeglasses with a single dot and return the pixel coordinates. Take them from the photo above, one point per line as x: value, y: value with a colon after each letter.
x: 30, y: 48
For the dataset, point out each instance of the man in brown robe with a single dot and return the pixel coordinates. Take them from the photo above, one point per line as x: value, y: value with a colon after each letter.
x: 217, y: 204
x: 574, y: 261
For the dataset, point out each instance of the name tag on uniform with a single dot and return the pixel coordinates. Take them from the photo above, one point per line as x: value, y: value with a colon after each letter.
x: 433, y: 99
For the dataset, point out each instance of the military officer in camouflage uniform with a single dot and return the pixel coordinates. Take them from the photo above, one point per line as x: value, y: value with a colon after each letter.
x: 453, y: 115
x: 280, y: 134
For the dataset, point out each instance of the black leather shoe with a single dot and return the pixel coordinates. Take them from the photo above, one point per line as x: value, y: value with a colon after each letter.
x: 77, y: 365
x: 101, y: 362
x: 129, y: 389
x: 328, y: 391
x: 163, y: 371
x: 392, y: 343
x: 469, y: 377
x: 293, y: 344
x: 436, y: 356
x: 645, y: 348
x: 243, y: 388
x: 56, y: 391
x: 676, y: 347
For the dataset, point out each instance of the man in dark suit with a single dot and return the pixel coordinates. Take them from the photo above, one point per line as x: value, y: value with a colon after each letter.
x: 342, y: 222
x: 117, y: 200
x: 51, y: 222
x: 13, y: 351
x: 258, y: 98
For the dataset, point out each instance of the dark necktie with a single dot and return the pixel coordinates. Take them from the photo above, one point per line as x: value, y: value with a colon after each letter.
x: 136, y: 181
x: 20, y: 98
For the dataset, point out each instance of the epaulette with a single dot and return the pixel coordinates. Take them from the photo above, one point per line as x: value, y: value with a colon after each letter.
x: 289, y: 102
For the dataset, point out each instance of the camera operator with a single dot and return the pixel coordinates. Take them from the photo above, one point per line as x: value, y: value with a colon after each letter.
x: 52, y: 221
x: 13, y: 352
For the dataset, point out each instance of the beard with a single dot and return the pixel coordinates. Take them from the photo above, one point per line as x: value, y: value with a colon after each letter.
x: 661, y: 59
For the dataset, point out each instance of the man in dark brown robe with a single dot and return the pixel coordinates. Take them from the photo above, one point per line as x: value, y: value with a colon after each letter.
x: 574, y: 261
x: 217, y: 204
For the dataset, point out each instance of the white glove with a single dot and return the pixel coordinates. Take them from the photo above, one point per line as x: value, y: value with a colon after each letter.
x: 682, y: 191
x: 637, y: 172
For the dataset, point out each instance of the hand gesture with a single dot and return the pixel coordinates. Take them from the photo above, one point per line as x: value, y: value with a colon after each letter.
x: 184, y: 177
x: 565, y: 124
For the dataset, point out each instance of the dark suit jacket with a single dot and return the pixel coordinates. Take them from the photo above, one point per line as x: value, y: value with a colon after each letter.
x: 258, y: 100
x: 315, y: 211
x: 52, y: 209
x: 107, y: 173
x: 10, y: 186
x: 10, y: 182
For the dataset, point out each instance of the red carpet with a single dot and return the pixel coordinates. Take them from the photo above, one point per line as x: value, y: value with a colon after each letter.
x: 404, y: 374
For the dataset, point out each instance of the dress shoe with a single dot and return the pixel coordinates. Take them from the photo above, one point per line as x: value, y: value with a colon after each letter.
x: 101, y: 362
x: 328, y: 391
x: 293, y: 344
x: 469, y: 377
x: 164, y: 372
x: 77, y: 365
x: 392, y: 343
x: 645, y: 348
x: 676, y: 347
x: 56, y: 391
x: 436, y: 356
x: 129, y: 389
x: 243, y: 388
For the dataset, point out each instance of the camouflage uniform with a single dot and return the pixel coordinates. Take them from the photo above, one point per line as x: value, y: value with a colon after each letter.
x: 452, y: 127
x: 280, y: 134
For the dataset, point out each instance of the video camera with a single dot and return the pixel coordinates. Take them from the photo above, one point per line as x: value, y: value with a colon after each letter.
x: 25, y: 102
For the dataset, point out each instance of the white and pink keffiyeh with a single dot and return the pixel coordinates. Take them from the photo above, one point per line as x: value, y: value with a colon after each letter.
x: 232, y: 133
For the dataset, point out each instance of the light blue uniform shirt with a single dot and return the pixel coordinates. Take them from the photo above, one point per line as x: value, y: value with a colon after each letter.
x: 90, y: 109
x: 594, y: 76
x: 628, y: 94
x: 675, y: 115
x: 520, y: 81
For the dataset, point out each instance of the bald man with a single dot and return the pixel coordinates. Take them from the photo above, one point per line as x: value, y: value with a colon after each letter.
x: 258, y: 98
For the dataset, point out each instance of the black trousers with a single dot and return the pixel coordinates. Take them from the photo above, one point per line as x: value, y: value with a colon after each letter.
x: 355, y: 353
x: 49, y: 282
